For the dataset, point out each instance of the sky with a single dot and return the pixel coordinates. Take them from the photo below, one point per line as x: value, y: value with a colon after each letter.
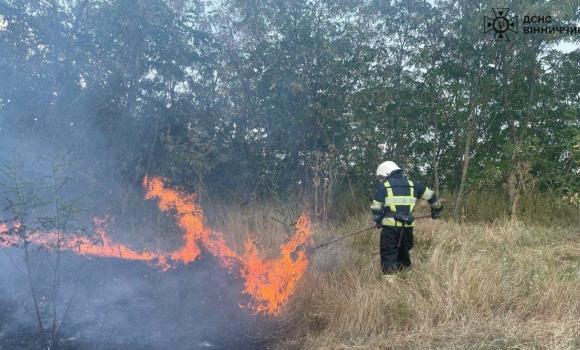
x: 567, y: 46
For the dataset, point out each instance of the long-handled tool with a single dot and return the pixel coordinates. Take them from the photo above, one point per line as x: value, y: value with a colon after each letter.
x: 311, y: 250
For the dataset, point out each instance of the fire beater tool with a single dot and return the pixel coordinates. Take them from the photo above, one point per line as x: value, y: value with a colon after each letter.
x: 408, y: 219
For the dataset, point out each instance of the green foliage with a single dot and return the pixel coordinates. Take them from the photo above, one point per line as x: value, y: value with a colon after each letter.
x: 27, y: 194
x: 536, y: 207
x: 64, y: 213
x: 286, y: 213
x: 22, y: 196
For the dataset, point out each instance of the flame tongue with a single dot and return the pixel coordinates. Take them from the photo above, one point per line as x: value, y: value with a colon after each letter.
x: 269, y: 282
x: 86, y: 246
x: 189, y: 216
x: 7, y: 240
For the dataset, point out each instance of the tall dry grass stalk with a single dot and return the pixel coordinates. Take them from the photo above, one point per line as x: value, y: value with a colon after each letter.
x: 503, y: 285
x: 500, y: 285
x: 257, y: 223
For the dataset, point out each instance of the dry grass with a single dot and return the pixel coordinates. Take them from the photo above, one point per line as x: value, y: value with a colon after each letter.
x: 503, y: 285
x: 255, y: 222
x: 500, y: 285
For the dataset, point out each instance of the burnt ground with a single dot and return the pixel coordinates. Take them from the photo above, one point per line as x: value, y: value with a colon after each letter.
x: 121, y: 304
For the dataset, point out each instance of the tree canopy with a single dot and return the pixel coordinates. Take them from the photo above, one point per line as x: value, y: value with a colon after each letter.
x: 245, y: 98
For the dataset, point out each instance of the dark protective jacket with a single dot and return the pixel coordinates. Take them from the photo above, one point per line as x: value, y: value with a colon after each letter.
x: 397, y: 194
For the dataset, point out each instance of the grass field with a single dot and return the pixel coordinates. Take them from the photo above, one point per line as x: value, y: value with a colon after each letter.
x: 502, y: 285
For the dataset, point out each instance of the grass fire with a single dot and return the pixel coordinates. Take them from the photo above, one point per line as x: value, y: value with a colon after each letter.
x: 269, y: 282
x: 285, y: 175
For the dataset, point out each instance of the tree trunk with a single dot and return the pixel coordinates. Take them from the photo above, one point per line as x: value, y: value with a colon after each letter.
x: 55, y: 287
x: 56, y: 280
x: 33, y: 291
x: 519, y: 140
x: 470, y: 131
x: 435, y: 144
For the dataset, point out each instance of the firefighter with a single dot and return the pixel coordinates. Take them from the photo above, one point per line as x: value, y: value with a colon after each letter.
x: 396, y: 196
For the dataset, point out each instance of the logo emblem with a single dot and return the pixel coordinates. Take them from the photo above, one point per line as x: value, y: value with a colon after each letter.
x: 500, y: 25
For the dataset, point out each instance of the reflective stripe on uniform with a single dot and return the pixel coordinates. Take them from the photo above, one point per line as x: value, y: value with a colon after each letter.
x: 377, y: 205
x: 436, y: 205
x: 393, y: 222
x: 389, y: 195
x: 391, y: 201
x: 400, y: 200
x: 428, y: 194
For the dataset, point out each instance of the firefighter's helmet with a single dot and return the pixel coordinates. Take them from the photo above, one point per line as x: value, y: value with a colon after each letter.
x: 386, y: 168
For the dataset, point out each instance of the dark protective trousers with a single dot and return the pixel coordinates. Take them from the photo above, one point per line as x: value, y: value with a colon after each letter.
x: 393, y: 258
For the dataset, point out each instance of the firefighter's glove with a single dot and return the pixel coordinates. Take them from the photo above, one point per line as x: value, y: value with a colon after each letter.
x: 436, y: 213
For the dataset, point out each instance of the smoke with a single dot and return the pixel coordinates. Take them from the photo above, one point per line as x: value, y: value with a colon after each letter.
x: 119, y: 304
x: 112, y: 303
x: 77, y: 110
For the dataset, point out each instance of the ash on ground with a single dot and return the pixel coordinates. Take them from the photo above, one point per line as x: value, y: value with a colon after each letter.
x: 121, y: 304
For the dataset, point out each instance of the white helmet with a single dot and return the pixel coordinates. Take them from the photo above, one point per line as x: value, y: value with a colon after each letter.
x: 386, y: 168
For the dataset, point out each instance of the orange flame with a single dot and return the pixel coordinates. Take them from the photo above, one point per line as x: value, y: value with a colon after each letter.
x: 269, y: 282
x: 85, y: 246
x: 189, y: 216
x: 7, y: 240
x: 98, y: 245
